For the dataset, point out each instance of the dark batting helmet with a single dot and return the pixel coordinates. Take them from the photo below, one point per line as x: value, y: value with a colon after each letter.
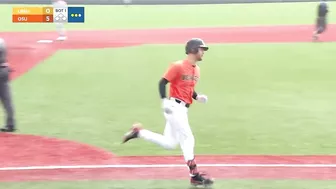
x: 193, y: 44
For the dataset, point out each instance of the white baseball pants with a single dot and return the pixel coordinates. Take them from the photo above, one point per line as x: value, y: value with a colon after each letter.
x: 177, y: 131
x: 60, y: 29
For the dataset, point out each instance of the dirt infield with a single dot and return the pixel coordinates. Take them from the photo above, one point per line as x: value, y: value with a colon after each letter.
x: 78, y: 161
x: 37, y: 160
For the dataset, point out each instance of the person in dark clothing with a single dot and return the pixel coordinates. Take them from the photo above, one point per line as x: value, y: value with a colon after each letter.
x: 5, y: 91
x: 321, y: 20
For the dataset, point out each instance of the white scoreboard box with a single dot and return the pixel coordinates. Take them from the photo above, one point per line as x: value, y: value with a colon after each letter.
x: 60, y: 15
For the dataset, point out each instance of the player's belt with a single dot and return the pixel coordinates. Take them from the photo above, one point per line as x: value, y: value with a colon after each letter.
x: 180, y: 101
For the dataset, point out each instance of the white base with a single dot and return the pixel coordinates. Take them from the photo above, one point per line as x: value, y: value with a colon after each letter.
x: 61, y: 38
x: 44, y: 41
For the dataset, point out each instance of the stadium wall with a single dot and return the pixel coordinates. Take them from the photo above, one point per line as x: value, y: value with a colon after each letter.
x: 150, y: 2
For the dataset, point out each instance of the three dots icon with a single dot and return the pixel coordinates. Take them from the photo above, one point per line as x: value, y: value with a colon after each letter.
x: 76, y: 15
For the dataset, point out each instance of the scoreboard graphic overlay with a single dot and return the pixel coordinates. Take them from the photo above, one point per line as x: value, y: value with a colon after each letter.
x: 48, y: 15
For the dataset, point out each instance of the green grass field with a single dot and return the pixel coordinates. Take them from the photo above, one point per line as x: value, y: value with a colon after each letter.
x: 295, y: 99
x: 263, y: 98
x: 116, y: 17
x: 163, y: 184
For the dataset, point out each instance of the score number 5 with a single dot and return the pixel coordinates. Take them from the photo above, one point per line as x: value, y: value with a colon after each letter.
x: 48, y: 18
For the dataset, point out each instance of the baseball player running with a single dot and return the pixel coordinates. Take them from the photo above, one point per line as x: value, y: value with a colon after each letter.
x: 321, y: 20
x: 182, y: 76
x: 60, y: 26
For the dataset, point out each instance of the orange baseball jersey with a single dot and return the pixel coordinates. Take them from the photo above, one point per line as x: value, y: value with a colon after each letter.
x: 183, y: 77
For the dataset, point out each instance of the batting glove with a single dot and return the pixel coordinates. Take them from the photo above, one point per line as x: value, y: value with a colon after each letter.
x: 167, y: 106
x: 202, y: 98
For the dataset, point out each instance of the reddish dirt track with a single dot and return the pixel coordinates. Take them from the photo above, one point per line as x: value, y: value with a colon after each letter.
x: 169, y: 173
x: 25, y: 53
x: 40, y: 151
x: 67, y: 152
x: 113, y: 38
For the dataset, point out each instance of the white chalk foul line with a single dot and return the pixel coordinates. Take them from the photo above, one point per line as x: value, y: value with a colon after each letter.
x: 54, y: 167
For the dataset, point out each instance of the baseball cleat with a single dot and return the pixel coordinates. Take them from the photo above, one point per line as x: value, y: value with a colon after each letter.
x: 133, y: 133
x: 7, y: 129
x: 200, y: 180
x: 315, y: 37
